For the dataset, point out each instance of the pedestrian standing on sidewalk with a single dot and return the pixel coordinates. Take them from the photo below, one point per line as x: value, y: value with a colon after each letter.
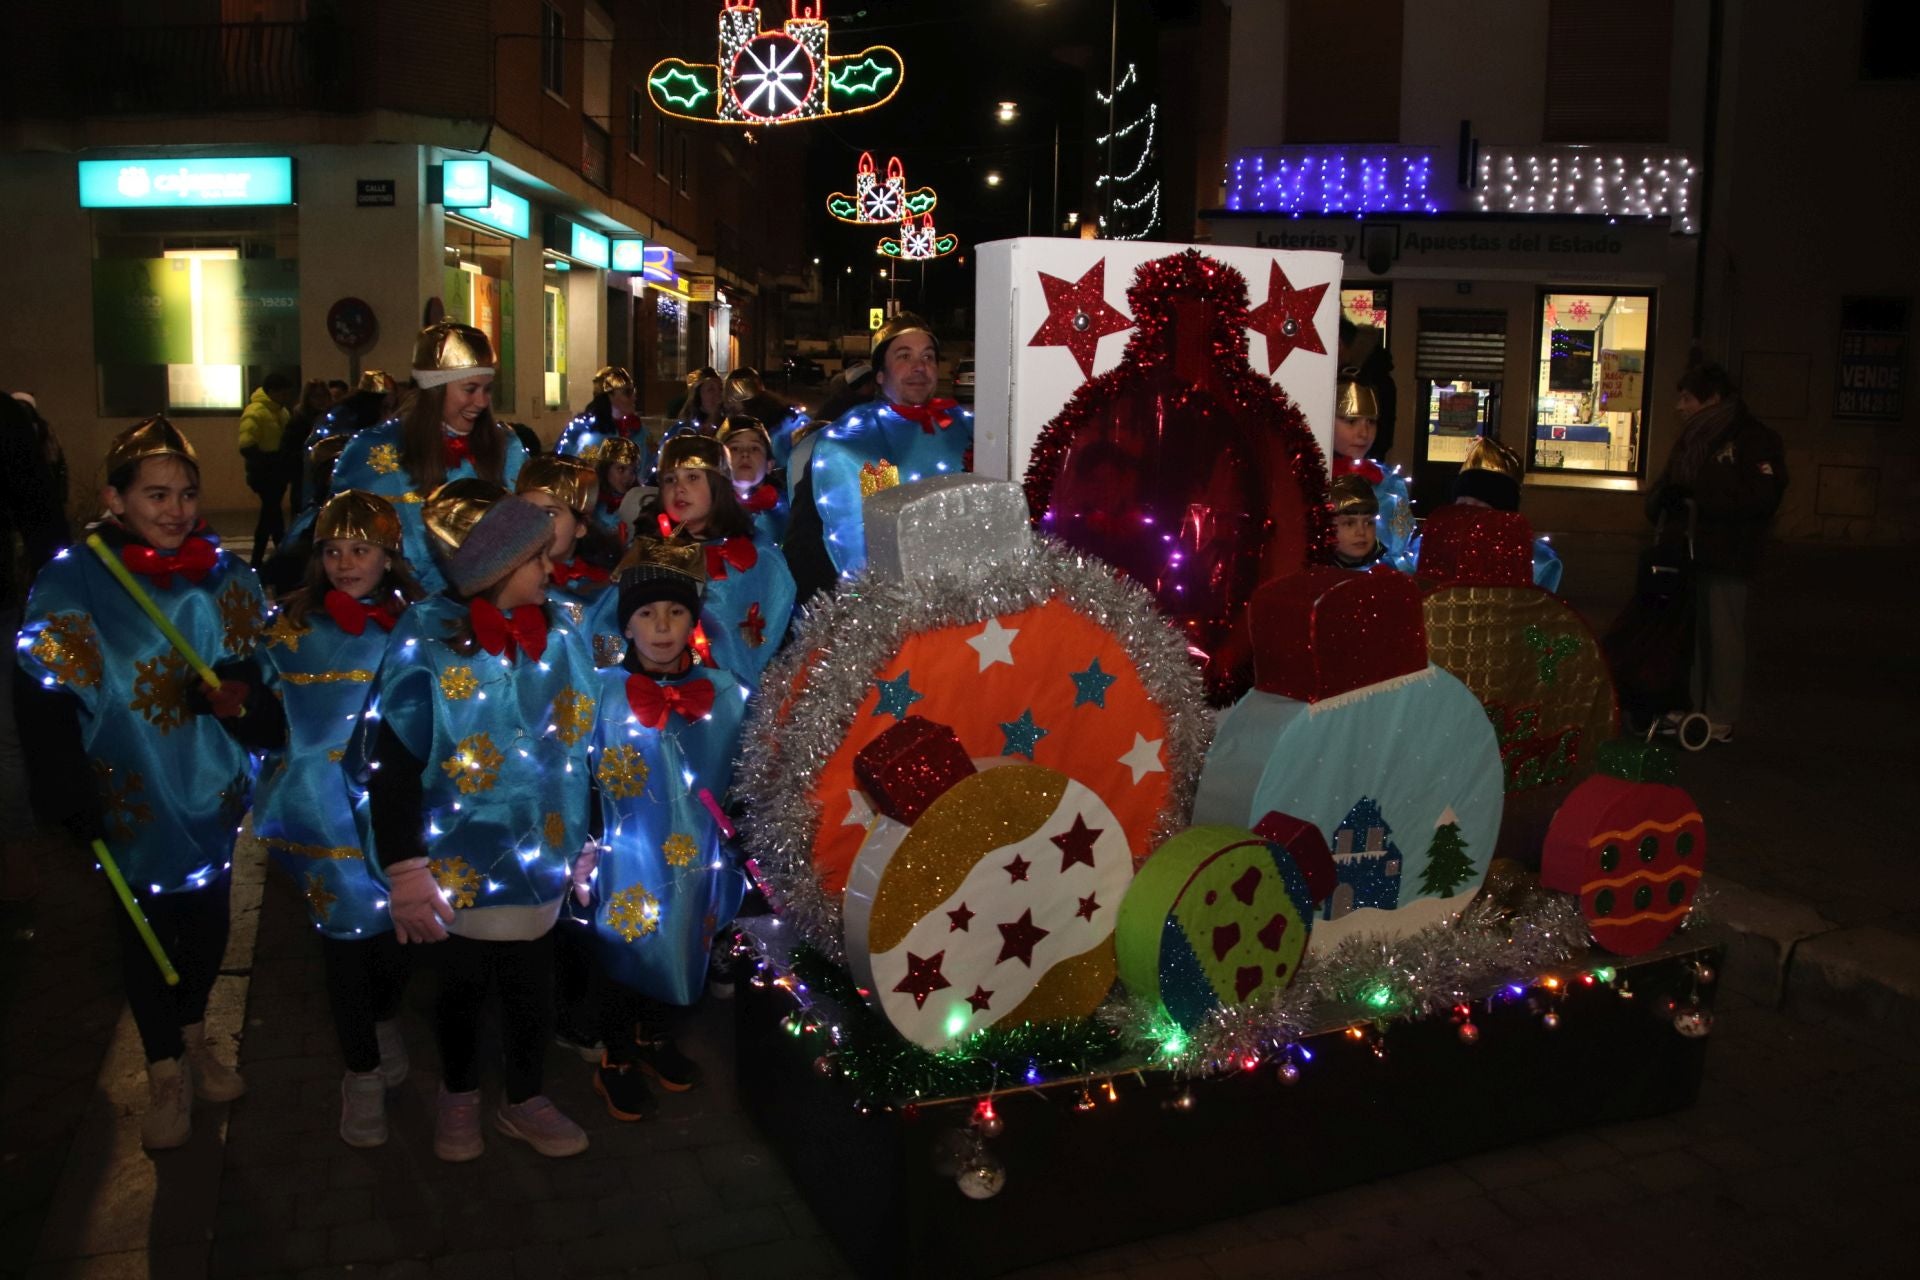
x: 662, y: 886
x: 446, y: 431
x: 316, y: 402
x: 321, y: 653
x: 263, y: 426
x: 1732, y: 469
x: 153, y: 764
x: 477, y: 779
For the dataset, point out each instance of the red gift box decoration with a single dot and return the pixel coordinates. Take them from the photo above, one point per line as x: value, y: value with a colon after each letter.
x: 1308, y: 847
x: 1325, y: 631
x: 1478, y: 546
x: 910, y: 766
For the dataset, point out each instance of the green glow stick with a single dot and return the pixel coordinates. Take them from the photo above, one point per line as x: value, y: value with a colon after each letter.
x: 108, y: 865
x: 152, y: 610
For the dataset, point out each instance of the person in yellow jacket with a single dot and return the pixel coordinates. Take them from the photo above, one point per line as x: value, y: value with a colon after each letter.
x: 262, y: 423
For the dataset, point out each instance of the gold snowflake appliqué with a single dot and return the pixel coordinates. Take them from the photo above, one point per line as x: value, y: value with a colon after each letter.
x: 68, y: 648
x: 122, y: 808
x: 458, y: 880
x: 555, y: 831
x: 622, y: 771
x: 284, y: 634
x: 160, y: 691
x: 474, y: 765
x: 572, y: 716
x: 633, y: 913
x: 678, y: 849
x: 384, y: 459
x: 457, y: 683
x: 240, y: 616
x: 318, y: 898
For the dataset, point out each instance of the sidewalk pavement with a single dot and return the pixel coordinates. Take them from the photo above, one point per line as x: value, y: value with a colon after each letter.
x: 1796, y: 1156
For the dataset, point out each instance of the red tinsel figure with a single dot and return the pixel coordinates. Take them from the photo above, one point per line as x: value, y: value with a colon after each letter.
x: 1186, y: 468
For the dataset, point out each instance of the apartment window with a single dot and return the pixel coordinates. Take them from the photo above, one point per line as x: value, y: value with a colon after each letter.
x: 1342, y: 75
x: 1591, y: 390
x: 633, y: 122
x: 660, y: 164
x: 1608, y: 67
x: 685, y: 188
x: 553, y: 50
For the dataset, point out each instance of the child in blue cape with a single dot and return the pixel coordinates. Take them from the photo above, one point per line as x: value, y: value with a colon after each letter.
x: 159, y: 768
x: 664, y: 886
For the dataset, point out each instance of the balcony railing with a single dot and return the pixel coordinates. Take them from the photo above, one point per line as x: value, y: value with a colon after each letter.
x: 596, y: 154
x: 249, y: 66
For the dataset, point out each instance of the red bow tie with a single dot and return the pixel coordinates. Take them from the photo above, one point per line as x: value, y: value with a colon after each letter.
x: 351, y: 616
x: 934, y: 413
x: 763, y: 498
x: 458, y: 448
x: 738, y: 552
x: 575, y: 570
x: 499, y: 633
x: 193, y: 561
x: 652, y: 701
x: 1366, y: 468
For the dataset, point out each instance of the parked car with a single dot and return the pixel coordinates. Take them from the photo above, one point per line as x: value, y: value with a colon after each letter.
x: 802, y: 371
x: 963, y: 379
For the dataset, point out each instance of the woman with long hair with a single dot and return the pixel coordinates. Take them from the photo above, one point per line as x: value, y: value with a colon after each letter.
x: 445, y: 431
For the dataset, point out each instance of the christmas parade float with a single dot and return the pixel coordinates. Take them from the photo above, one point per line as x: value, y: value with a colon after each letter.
x: 1062, y: 956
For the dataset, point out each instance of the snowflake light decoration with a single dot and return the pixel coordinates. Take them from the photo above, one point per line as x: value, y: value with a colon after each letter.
x: 774, y: 77
x: 880, y: 202
x: 457, y: 878
x: 918, y: 243
x: 633, y: 913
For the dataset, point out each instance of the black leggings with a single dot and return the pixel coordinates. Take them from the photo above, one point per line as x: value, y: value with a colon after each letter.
x: 522, y: 972
x: 272, y: 524
x: 627, y: 1017
x: 365, y: 979
x: 192, y: 929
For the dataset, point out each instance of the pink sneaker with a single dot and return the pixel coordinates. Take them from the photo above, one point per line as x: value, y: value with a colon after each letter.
x: 456, y: 1127
x: 539, y: 1124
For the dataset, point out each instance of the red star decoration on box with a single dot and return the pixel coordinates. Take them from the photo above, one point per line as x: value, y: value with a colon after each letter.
x: 1077, y: 845
x: 960, y: 915
x: 1017, y: 869
x: 1088, y: 905
x: 979, y: 999
x: 1078, y: 315
x: 923, y: 977
x: 1018, y: 939
x: 1285, y: 319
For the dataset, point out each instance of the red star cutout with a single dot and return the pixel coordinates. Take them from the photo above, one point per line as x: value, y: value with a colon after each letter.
x: 1078, y: 315
x: 1018, y: 939
x: 923, y: 977
x: 979, y: 999
x: 959, y: 915
x: 1088, y: 905
x: 1017, y: 869
x: 1285, y: 319
x: 1076, y: 845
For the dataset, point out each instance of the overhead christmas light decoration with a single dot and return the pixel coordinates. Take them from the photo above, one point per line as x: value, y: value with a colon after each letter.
x: 1630, y: 184
x: 1133, y: 194
x: 876, y: 201
x: 774, y: 77
x: 1377, y: 180
x: 918, y: 243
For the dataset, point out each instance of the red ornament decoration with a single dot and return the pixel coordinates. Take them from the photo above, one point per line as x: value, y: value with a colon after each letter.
x: 1078, y: 315
x: 1285, y: 319
x: 1185, y: 468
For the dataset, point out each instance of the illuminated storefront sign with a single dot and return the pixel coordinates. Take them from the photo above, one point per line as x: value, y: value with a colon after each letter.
x: 169, y: 182
x: 466, y: 184
x: 508, y: 212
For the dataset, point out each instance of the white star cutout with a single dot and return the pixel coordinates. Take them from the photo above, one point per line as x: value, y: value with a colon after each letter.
x: 1144, y: 758
x: 994, y: 644
x: 859, y: 812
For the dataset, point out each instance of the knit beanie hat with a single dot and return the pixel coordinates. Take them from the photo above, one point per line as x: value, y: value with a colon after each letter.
x: 654, y: 570
x: 511, y: 532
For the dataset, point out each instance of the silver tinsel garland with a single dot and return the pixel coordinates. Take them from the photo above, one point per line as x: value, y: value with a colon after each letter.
x: 841, y: 643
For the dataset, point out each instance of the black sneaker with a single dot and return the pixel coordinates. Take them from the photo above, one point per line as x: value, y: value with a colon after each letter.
x: 624, y: 1090
x: 673, y: 1070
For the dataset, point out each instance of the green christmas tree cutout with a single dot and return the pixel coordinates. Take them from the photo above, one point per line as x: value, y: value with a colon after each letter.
x: 1448, y: 865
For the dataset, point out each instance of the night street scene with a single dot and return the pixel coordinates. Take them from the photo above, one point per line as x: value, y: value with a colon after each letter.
x: 1068, y: 639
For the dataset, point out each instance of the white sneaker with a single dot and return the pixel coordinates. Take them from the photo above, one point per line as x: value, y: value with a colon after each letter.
x: 393, y: 1053
x: 363, y: 1108
x: 213, y: 1080
x: 1720, y: 733
x: 169, y: 1119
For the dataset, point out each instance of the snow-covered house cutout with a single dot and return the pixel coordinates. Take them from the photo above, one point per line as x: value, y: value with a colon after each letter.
x: 1369, y: 874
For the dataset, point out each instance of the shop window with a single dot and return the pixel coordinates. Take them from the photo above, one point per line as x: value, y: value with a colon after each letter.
x: 1591, y: 389
x: 1366, y: 307
x: 554, y: 356
x: 553, y: 50
x: 670, y: 337
x: 477, y: 288
x: 1460, y: 359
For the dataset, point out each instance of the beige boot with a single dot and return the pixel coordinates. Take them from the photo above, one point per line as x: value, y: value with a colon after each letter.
x: 213, y: 1080
x: 169, y: 1119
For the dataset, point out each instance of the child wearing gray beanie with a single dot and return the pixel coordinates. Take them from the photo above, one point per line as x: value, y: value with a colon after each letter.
x: 510, y: 532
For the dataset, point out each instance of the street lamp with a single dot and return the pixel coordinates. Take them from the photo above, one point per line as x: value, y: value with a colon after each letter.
x: 993, y: 177
x: 1008, y: 112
